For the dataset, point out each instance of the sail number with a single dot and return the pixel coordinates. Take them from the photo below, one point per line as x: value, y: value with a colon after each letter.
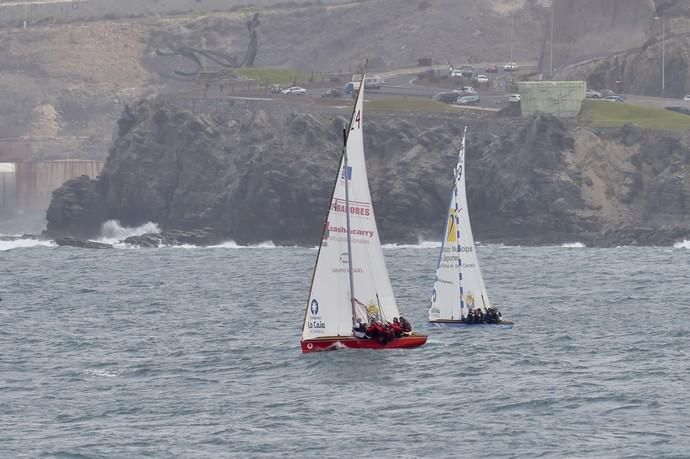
x: 358, y: 120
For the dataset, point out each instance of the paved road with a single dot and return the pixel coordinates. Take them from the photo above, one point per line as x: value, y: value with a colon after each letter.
x: 401, y: 83
x: 404, y: 85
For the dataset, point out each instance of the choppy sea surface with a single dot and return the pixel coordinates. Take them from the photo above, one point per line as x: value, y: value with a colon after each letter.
x: 193, y: 352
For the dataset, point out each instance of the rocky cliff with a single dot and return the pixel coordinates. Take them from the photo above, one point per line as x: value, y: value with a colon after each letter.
x: 585, y: 29
x: 638, y: 70
x: 257, y: 177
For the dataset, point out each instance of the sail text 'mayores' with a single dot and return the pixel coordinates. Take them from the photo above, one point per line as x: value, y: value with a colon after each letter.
x: 356, y: 209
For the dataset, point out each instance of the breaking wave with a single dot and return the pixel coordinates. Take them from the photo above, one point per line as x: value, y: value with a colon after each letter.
x: 224, y: 245
x: 234, y: 245
x: 420, y: 245
x: 112, y: 232
x: 24, y: 243
x: 573, y: 245
x: 682, y: 245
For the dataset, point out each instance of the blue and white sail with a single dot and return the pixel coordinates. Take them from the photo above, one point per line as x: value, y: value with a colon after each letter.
x: 459, y: 286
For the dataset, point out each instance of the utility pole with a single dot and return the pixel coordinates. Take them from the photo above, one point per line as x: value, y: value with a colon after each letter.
x: 512, y: 36
x: 551, y: 41
x: 663, y: 54
x: 663, y: 58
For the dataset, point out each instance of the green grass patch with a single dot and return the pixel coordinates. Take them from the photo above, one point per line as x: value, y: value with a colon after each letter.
x: 598, y: 113
x: 273, y: 76
x: 410, y: 104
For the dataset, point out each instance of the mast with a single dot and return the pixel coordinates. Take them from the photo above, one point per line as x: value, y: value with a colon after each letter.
x: 347, y: 225
x: 458, y: 174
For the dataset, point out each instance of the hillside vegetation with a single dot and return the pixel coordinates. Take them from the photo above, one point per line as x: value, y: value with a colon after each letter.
x: 613, y: 114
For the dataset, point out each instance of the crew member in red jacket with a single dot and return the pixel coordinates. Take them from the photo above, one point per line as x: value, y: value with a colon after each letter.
x: 397, y: 329
x: 374, y: 331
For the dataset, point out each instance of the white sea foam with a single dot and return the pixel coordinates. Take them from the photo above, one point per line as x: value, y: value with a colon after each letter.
x: 573, y: 245
x: 112, y: 232
x: 225, y: 245
x: 682, y: 245
x: 103, y: 372
x: 234, y: 245
x: 23, y: 243
x: 419, y: 245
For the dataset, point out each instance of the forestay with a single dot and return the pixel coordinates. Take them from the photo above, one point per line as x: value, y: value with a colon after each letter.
x: 459, y: 286
x: 329, y: 309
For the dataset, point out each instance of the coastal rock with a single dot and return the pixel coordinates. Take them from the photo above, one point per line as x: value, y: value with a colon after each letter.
x: 201, y: 238
x: 76, y: 209
x: 268, y: 177
x: 82, y: 244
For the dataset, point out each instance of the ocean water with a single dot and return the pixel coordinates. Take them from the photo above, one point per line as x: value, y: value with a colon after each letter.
x: 191, y: 352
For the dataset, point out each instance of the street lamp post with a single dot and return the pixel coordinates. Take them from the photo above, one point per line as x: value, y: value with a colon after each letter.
x: 663, y: 54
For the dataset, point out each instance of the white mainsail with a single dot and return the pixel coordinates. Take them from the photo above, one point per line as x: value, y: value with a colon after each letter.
x: 459, y: 286
x: 330, y: 311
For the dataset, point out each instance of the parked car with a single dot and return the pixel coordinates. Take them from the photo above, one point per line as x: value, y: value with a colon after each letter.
x: 465, y: 90
x: 351, y: 87
x: 467, y: 71
x: 615, y: 98
x: 514, y: 98
x: 296, y: 90
x: 373, y: 83
x: 471, y: 99
x: 482, y: 79
x: 332, y: 92
x: 446, y: 97
x: 491, y: 69
x: 276, y: 88
x: 511, y: 67
x: 687, y: 97
x: 590, y: 94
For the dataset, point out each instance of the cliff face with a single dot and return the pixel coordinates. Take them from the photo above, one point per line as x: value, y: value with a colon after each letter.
x: 639, y: 69
x: 264, y: 177
x: 584, y: 29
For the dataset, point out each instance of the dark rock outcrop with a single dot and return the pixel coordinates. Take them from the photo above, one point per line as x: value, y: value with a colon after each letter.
x: 76, y: 209
x: 259, y: 177
x: 68, y: 241
x: 203, y: 237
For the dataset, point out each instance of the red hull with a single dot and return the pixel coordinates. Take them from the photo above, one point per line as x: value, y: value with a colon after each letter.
x: 350, y: 342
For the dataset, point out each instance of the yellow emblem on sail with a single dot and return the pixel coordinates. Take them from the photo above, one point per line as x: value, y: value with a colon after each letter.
x: 452, y: 233
x: 469, y: 300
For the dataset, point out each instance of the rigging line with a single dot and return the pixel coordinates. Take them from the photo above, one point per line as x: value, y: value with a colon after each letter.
x: 325, y: 225
x: 348, y: 225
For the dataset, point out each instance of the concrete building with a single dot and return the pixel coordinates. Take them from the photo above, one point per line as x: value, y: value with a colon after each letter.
x: 26, y: 188
x: 559, y: 98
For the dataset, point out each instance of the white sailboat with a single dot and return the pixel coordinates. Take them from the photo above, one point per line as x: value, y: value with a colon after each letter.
x: 459, y: 294
x: 350, y: 280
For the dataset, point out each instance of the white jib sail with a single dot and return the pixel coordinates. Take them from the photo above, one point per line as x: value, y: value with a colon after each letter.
x: 459, y: 286
x: 329, y: 309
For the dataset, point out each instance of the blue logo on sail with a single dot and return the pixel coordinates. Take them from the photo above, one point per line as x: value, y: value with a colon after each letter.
x: 349, y: 173
x: 314, y: 307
